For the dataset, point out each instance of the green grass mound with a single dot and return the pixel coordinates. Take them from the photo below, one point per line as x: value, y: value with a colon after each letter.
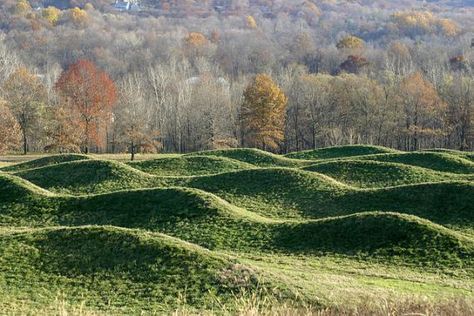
x: 13, y: 188
x: 45, y: 161
x: 339, y: 152
x: 390, y: 235
x: 373, y: 174
x: 87, y: 176
x: 189, y: 165
x: 253, y: 156
x: 116, y: 269
x: 444, y: 202
x: 190, y: 214
x: 469, y: 155
x: 289, y: 193
x: 281, y: 193
x: 206, y: 220
x: 431, y: 160
x: 273, y: 192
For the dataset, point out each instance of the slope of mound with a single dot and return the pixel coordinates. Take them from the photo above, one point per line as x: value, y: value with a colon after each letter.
x: 125, y: 270
x: 45, y: 161
x: 204, y: 219
x: 339, y: 152
x: 13, y: 188
x: 289, y: 193
x: 190, y: 214
x: 372, y: 174
x: 431, y: 160
x: 444, y: 202
x: 189, y: 165
x: 273, y: 192
x: 389, y: 235
x: 469, y: 155
x: 253, y: 156
x: 87, y: 176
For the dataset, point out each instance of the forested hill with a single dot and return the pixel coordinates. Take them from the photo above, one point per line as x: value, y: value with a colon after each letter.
x: 269, y: 7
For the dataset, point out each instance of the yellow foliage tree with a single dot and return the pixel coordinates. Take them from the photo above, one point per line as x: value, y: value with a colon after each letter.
x: 251, y: 23
x: 88, y: 7
x: 419, y: 22
x: 448, y: 27
x: 22, y: 7
x: 78, y: 16
x: 263, y: 114
x: 51, y: 14
x: 351, y: 42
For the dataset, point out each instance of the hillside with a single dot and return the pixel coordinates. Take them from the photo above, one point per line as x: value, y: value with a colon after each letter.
x: 237, y: 227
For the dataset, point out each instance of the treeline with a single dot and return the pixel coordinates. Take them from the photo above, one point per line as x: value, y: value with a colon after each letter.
x: 83, y: 80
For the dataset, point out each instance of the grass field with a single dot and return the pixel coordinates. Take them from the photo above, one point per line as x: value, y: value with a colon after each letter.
x: 348, y: 230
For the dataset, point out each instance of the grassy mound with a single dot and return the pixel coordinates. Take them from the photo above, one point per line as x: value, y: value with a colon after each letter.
x: 372, y: 174
x: 445, y: 202
x: 87, y: 176
x: 116, y: 269
x: 204, y: 219
x: 45, y: 161
x: 469, y: 155
x: 273, y: 192
x: 189, y: 165
x: 290, y: 193
x: 390, y: 235
x: 190, y: 214
x: 339, y: 152
x: 431, y: 160
x: 255, y: 157
x: 281, y: 193
x: 13, y: 188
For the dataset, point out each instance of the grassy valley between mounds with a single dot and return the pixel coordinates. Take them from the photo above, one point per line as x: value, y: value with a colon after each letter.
x: 335, y: 230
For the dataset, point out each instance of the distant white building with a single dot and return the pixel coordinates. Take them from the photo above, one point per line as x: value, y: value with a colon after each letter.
x: 126, y: 5
x: 122, y: 5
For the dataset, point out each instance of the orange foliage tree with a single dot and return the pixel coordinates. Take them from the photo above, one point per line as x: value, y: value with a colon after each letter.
x: 196, y: 39
x: 263, y: 114
x: 10, y: 133
x: 91, y: 93
x: 424, y: 109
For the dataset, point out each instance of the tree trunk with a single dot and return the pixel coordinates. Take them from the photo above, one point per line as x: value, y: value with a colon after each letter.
x: 25, y: 142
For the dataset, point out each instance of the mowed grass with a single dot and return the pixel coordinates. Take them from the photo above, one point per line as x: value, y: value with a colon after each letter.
x: 339, y: 152
x: 375, y: 174
x: 437, y: 161
x: 239, y: 231
x: 86, y: 176
x: 206, y: 220
x: 255, y: 157
x: 190, y: 165
x: 45, y: 161
x: 116, y: 269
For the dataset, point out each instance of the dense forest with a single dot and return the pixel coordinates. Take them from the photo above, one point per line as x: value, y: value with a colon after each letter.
x: 281, y: 75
